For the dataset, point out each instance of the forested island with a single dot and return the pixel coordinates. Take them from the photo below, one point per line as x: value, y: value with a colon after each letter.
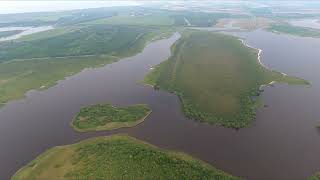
x: 107, y: 117
x: 117, y: 157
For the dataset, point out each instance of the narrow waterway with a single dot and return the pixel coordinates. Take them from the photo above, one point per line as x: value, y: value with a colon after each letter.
x: 283, y: 142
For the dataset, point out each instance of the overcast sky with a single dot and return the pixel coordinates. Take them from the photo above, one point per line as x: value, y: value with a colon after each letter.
x: 7, y: 7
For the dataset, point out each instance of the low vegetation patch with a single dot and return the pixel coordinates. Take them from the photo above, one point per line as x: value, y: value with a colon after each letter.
x: 107, y: 117
x: 152, y: 77
x: 117, y: 157
x: 315, y: 177
x: 294, y: 30
x: 216, y: 77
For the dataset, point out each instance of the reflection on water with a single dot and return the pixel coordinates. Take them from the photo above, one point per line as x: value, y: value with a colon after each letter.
x: 283, y: 142
x: 25, y: 31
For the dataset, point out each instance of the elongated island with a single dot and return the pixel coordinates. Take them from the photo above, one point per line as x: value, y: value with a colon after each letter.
x: 217, y: 77
x: 108, y: 117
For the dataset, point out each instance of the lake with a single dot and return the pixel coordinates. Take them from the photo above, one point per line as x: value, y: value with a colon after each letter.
x: 283, y: 142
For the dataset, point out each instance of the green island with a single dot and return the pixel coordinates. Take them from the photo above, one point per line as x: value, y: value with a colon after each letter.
x: 117, y: 157
x: 4, y: 34
x: 315, y: 176
x: 107, y: 117
x: 286, y: 28
x: 216, y: 77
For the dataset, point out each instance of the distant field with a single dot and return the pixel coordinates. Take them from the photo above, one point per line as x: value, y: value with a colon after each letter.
x: 48, y: 34
x: 151, y: 20
x: 216, y: 77
x: 252, y: 23
x: 294, y: 30
x: 91, y: 40
x: 117, y: 157
x: 9, y: 33
x: 199, y: 19
x: 107, y: 117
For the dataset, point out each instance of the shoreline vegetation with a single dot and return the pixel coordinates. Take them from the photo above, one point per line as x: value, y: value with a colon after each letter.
x: 117, y: 157
x: 25, y: 66
x: 217, y: 77
x: 102, y: 117
x: 287, y: 28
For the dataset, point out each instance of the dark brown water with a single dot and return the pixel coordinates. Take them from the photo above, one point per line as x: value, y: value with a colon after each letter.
x: 283, y: 143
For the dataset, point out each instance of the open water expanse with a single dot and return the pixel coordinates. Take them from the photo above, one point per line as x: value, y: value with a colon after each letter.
x: 283, y: 142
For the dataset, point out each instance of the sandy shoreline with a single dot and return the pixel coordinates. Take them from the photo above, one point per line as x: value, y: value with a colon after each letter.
x: 259, y: 55
x: 259, y: 52
x: 259, y: 60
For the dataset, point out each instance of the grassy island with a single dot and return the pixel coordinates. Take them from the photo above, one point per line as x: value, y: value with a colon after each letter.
x: 107, y: 117
x: 117, y: 157
x: 216, y: 77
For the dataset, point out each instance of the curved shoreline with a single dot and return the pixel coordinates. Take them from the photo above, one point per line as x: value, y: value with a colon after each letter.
x: 110, y: 126
x: 58, y: 158
x: 260, y: 62
x: 259, y: 55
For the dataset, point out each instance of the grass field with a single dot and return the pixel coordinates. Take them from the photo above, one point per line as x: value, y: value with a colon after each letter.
x: 107, y: 117
x: 216, y: 77
x: 294, y: 30
x: 116, y: 157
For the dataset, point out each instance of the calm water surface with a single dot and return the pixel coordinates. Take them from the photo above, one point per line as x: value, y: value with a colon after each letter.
x: 283, y: 142
x: 309, y: 23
